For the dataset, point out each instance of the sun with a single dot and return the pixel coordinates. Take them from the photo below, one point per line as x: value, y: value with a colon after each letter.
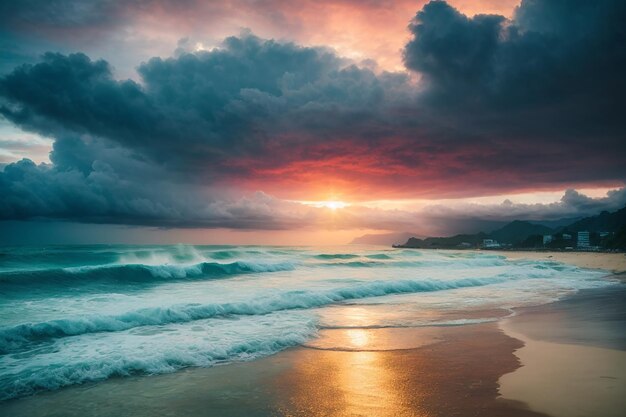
x: 333, y: 205
x: 327, y: 204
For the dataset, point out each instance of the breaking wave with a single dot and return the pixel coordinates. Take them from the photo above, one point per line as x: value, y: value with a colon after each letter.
x: 336, y: 256
x: 77, y: 363
x: 16, y: 337
x: 137, y: 273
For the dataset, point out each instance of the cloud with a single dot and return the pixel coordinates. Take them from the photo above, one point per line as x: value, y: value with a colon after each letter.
x: 132, y: 31
x: 126, y: 33
x: 546, y: 82
x: 103, y: 195
x: 248, y: 99
x: 552, y: 57
x: 502, y: 105
x: 454, y: 52
x: 572, y: 204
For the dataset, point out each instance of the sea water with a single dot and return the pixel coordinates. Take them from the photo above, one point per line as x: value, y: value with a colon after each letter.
x: 73, y: 314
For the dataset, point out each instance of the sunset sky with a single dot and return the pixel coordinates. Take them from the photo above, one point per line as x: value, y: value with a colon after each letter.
x: 308, y: 122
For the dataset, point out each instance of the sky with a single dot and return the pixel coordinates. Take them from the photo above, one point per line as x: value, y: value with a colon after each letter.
x: 309, y: 122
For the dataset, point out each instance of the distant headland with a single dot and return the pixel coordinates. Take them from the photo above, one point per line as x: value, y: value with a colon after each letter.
x: 604, y: 232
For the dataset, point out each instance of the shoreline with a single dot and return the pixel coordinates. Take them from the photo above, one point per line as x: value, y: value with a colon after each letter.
x: 577, y: 368
x: 614, y: 262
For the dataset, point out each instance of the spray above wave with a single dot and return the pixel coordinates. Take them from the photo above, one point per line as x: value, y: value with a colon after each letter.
x: 336, y: 256
x: 63, y: 256
x: 352, y: 264
x: 25, y: 335
x: 378, y: 256
x: 136, y: 273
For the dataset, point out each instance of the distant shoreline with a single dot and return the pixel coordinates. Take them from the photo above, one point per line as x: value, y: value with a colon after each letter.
x: 515, y: 249
x: 614, y: 262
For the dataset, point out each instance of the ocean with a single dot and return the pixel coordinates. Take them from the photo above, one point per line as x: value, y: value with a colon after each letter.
x: 76, y: 314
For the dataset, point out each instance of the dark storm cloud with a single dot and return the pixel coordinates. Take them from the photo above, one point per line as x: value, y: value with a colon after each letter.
x: 194, y: 117
x: 60, y: 13
x: 543, y: 91
x: 102, y: 195
x: 32, y: 191
x: 30, y: 27
x: 554, y: 56
x: 201, y: 108
x: 546, y: 87
x: 502, y: 106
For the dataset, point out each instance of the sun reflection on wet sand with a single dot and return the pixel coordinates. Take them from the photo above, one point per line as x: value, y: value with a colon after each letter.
x: 375, y: 339
x: 457, y: 375
x: 351, y: 376
x: 358, y: 337
x: 346, y: 384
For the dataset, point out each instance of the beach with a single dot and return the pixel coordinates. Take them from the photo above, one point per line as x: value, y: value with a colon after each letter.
x: 561, y: 358
x: 576, y: 369
x: 612, y: 262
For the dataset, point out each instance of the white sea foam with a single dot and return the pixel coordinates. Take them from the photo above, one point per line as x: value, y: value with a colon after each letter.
x: 150, y: 350
x: 14, y: 337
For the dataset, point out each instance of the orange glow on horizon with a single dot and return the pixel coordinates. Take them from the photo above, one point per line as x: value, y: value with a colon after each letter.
x: 332, y: 204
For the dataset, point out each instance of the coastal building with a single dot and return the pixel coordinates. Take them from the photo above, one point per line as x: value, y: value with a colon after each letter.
x: 567, y: 236
x: 490, y: 244
x: 547, y: 239
x: 583, y: 240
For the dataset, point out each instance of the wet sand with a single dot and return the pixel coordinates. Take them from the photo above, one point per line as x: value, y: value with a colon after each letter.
x: 574, y: 366
x: 574, y: 354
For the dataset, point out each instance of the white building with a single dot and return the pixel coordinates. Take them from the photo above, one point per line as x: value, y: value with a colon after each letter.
x: 583, y: 240
x: 490, y: 244
x: 547, y: 239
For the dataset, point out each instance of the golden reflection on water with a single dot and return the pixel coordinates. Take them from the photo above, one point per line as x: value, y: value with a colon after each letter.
x: 353, y: 372
x: 348, y: 383
x: 375, y: 339
x: 368, y: 386
x: 358, y: 337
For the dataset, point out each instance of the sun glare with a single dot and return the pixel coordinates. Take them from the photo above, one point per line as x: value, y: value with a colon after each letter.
x: 333, y: 205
